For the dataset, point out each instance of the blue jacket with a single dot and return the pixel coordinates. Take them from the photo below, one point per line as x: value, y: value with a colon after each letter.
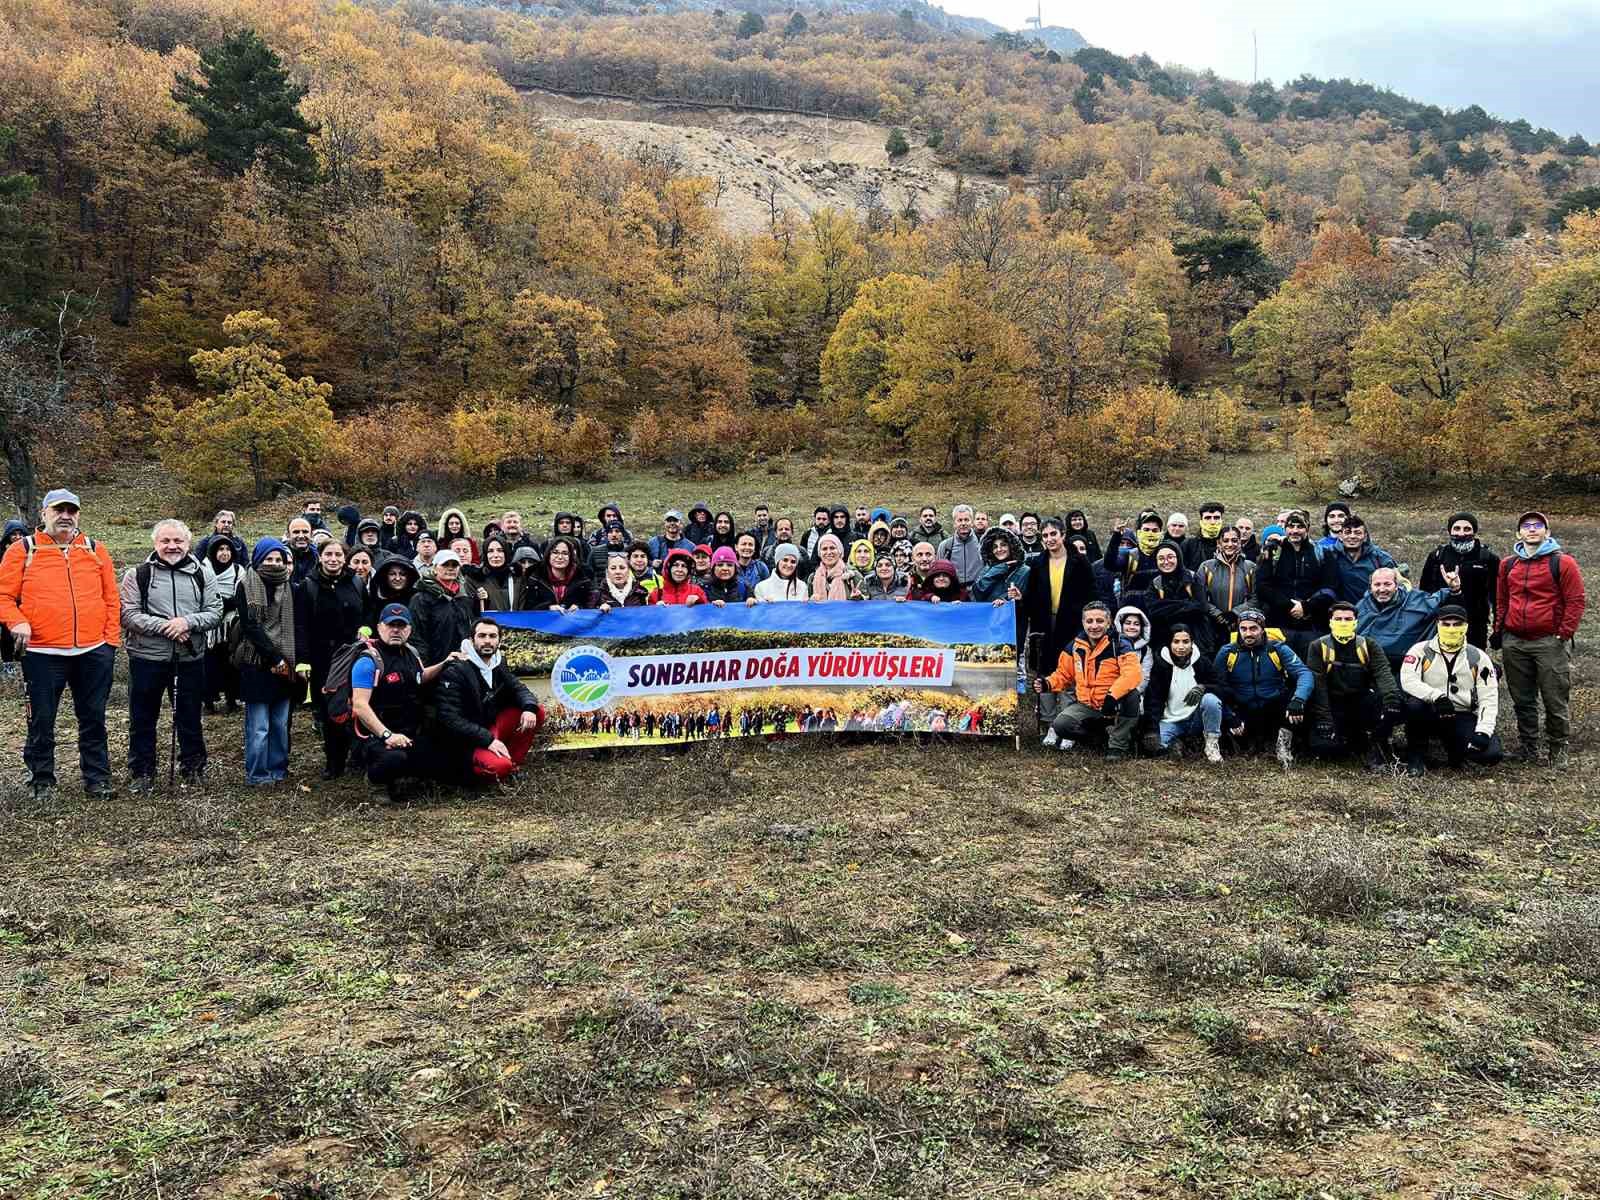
x: 661, y: 543
x: 1253, y: 681
x: 753, y: 574
x: 1353, y: 577
x: 1403, y: 622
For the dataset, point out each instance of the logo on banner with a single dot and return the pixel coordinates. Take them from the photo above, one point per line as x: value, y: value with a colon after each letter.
x: 582, y: 678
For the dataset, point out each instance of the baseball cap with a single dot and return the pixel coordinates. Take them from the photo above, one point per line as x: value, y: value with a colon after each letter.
x: 57, y: 496
x: 673, y: 515
x: 446, y: 556
x: 394, y: 614
x: 1448, y: 612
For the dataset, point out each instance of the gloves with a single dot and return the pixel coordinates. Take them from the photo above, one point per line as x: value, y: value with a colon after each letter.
x: 1479, y: 742
x: 1194, y: 695
x: 1445, y: 706
x: 1111, y: 707
x: 1392, y: 710
x: 1496, y: 641
x: 1296, y: 707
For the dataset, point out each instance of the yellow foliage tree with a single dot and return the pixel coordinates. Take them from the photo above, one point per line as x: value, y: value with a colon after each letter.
x: 255, y: 423
x: 564, y: 345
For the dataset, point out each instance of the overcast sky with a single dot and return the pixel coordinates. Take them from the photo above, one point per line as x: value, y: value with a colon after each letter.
x: 1527, y: 58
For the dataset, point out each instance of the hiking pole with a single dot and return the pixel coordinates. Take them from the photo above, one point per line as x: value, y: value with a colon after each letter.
x: 172, y: 743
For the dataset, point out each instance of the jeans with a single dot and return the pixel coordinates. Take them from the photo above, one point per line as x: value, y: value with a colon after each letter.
x: 1539, y: 669
x: 148, y: 682
x: 266, y: 741
x: 89, y: 676
x: 1206, y: 718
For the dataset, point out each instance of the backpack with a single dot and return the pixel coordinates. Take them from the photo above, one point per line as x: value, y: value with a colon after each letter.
x: 143, y: 572
x: 1328, y: 652
x: 1474, y: 662
x: 337, y: 688
x: 31, y: 546
x: 1234, y: 651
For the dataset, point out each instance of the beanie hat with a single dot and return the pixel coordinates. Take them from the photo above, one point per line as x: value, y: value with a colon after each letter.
x: 786, y: 550
x: 1272, y: 531
x: 265, y: 547
x: 724, y: 554
x: 1469, y: 518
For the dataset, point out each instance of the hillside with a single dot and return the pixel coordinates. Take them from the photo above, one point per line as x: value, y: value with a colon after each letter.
x: 497, y: 244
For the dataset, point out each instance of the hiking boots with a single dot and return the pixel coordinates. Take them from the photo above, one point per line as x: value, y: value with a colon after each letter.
x: 1416, y: 766
x: 1558, y: 754
x: 1285, y: 749
x: 1378, y: 759
x: 101, y: 791
x: 44, y: 793
x: 1213, y: 747
x: 139, y: 785
x: 1528, y: 752
x: 192, y: 776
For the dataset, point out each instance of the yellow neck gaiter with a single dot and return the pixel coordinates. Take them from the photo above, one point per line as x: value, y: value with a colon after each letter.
x: 1210, y: 529
x: 1342, y: 628
x: 1452, y: 638
x: 1148, y: 540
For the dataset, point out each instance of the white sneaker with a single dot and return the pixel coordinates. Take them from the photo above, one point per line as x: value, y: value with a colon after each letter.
x: 1065, y: 744
x: 1285, y: 748
x: 1049, y: 739
x: 1213, y: 747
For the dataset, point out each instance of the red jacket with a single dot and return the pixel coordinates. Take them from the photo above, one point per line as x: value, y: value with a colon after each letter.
x: 677, y: 593
x: 1531, y: 604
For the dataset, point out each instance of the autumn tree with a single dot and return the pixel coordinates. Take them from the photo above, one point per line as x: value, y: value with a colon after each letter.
x: 855, y: 364
x: 695, y: 361
x: 254, y: 423
x: 248, y: 106
x: 957, y: 376
x: 563, y: 345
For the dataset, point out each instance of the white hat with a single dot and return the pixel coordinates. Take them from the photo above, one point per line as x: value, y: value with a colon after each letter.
x: 446, y: 556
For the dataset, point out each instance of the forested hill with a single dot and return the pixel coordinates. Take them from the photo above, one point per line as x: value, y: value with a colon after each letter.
x: 322, y: 242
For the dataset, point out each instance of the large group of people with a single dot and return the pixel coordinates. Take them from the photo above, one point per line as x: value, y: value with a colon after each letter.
x: 1150, y: 637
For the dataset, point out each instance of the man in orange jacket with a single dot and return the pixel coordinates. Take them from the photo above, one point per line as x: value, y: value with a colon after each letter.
x: 59, y: 599
x: 1101, y: 672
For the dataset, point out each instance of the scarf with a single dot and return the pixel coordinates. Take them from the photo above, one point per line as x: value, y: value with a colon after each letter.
x: 469, y: 653
x: 831, y: 585
x: 620, y: 595
x: 272, y: 610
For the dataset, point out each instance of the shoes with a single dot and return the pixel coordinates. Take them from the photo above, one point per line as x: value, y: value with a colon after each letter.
x: 101, y: 791
x: 1065, y: 744
x: 1174, y: 751
x: 138, y: 785
x: 1559, y: 757
x: 1213, y: 747
x: 394, y: 792
x: 44, y: 793
x: 1285, y: 749
x: 211, y: 708
x: 192, y: 776
x: 332, y: 772
x: 1416, y: 767
x: 1050, y: 739
x: 1528, y: 752
x: 1115, y: 756
x: 1378, y: 758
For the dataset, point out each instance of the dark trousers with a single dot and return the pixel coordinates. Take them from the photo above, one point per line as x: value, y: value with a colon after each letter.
x: 386, y: 765
x: 89, y: 676
x: 1261, y: 723
x: 148, y: 683
x: 222, y: 677
x: 1360, y: 718
x: 336, y: 737
x: 1423, y: 724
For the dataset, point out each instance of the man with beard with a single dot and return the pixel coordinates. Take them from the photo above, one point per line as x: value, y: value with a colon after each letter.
x: 1463, y: 555
x: 386, y: 700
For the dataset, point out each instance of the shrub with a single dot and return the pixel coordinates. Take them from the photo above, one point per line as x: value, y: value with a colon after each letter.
x: 896, y: 144
x: 1333, y: 873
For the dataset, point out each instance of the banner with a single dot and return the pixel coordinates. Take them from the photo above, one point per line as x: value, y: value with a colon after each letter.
x: 676, y: 673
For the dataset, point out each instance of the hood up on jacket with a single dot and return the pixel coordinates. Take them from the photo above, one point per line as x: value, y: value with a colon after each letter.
x: 524, y: 560
x: 1128, y: 610
x: 950, y: 591
x: 411, y: 514
x: 380, y: 587
x: 365, y: 524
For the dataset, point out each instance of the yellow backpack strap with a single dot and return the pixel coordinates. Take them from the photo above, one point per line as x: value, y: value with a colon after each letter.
x: 1276, y: 661
x: 1233, y: 656
x: 1328, y: 654
x: 1361, y: 651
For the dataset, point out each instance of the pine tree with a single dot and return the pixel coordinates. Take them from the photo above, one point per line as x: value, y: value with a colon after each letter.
x: 249, y: 106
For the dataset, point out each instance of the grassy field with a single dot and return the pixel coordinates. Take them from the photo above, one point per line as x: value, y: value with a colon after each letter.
x: 811, y: 969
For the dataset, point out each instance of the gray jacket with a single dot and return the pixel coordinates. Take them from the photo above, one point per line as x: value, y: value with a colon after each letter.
x: 174, y: 592
x: 965, y: 556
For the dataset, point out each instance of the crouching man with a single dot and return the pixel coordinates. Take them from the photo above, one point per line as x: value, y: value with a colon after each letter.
x: 487, y: 717
x: 1355, y: 702
x: 1451, y: 694
x: 1101, y: 672
x: 1265, y: 688
x: 386, y: 698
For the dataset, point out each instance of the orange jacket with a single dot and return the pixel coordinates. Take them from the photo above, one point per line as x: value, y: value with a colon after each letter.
x: 1107, y: 668
x: 67, y: 594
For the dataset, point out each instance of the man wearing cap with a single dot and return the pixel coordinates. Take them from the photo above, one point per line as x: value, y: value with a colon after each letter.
x: 1452, y: 695
x: 1295, y: 580
x: 386, y: 698
x: 389, y: 528
x: 1539, y: 601
x: 58, y: 597
x: 1466, y: 557
x: 170, y: 602
x: 670, y: 538
x: 443, y: 609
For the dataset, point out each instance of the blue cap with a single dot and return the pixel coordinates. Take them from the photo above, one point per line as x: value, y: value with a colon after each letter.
x: 57, y: 496
x: 394, y: 614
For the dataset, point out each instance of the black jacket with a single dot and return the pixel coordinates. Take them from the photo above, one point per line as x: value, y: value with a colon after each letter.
x: 1155, y: 692
x: 440, y: 622
x: 326, y: 616
x: 1338, y: 674
x: 1055, y: 629
x: 467, y: 708
x: 1478, y: 571
x: 1285, y: 575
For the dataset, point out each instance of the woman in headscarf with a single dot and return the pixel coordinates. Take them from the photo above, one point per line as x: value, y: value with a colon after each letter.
x: 862, y: 556
x: 453, y: 525
x: 1078, y: 522
x: 618, y: 588
x: 942, y: 584
x: 1176, y: 597
x: 698, y: 527
x: 222, y: 677
x: 1004, y: 573
x: 496, y: 577
x: 901, y: 553
x: 267, y: 656
x: 834, y: 579
x: 360, y: 564
x: 784, y: 583
x: 393, y: 582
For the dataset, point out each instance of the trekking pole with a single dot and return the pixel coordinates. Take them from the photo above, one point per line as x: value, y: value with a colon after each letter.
x: 172, y: 743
